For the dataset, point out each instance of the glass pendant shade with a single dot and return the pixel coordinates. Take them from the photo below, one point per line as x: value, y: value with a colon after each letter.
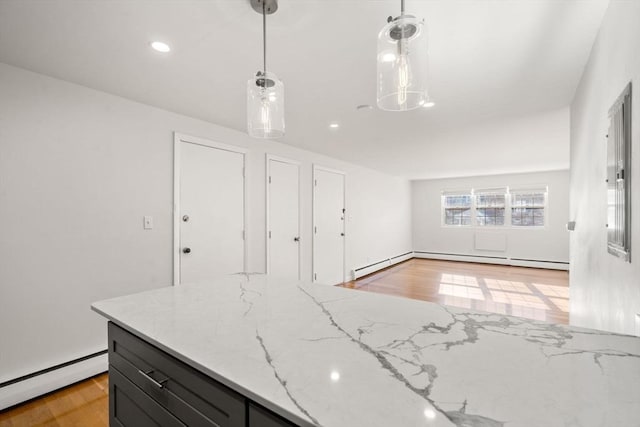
x: 402, y: 64
x: 265, y: 106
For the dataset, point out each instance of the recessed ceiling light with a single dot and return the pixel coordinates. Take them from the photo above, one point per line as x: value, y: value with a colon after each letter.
x: 334, y: 125
x: 160, y: 47
x: 428, y: 104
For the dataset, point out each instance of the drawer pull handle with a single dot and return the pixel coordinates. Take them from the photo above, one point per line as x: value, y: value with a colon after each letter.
x: 147, y: 375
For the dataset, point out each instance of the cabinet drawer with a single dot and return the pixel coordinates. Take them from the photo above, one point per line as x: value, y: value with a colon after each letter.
x: 189, y: 395
x: 131, y: 407
x: 260, y: 417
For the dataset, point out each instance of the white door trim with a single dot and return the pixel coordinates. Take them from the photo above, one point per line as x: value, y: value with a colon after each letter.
x: 268, y: 158
x: 177, y: 139
x: 316, y: 168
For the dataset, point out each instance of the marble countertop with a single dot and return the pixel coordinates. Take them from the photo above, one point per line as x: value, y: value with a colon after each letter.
x: 321, y: 355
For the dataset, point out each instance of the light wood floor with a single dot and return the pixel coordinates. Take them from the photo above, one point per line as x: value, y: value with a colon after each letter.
x: 85, y: 404
x: 525, y: 292
x: 518, y: 291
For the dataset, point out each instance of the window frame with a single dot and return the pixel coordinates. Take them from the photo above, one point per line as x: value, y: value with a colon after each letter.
x: 503, y: 191
x: 545, y: 205
x: 443, y: 220
x: 618, y: 176
x: 509, y: 196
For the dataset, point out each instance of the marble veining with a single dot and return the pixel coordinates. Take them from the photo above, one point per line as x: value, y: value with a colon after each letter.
x: 327, y: 356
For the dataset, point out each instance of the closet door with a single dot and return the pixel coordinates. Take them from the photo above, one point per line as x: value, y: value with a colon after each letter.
x: 283, y: 218
x: 328, y: 226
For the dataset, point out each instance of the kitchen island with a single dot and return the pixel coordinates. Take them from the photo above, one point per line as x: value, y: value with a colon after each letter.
x: 312, y: 354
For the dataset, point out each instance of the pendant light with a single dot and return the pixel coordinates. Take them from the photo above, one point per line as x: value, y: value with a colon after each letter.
x: 265, y: 92
x: 402, y: 63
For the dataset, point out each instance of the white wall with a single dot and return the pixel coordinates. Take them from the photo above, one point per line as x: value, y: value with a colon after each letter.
x: 605, y: 291
x: 78, y: 171
x: 548, y: 244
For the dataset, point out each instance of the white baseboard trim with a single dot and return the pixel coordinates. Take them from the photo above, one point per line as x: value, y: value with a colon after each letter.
x: 372, y: 268
x: 38, y: 385
x: 551, y: 265
x: 516, y: 262
x: 401, y: 258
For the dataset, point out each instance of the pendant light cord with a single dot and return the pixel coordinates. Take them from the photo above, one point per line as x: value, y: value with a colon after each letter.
x: 401, y: 7
x: 264, y: 38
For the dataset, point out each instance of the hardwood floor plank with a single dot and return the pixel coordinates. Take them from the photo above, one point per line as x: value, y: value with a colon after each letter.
x: 533, y: 293
x: 85, y: 404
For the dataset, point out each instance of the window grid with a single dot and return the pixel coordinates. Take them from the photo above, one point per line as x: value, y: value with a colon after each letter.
x: 520, y: 208
x: 457, y: 209
x: 490, y: 209
x: 528, y: 209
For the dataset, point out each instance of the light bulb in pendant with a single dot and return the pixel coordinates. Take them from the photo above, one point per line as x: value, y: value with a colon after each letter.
x: 265, y: 115
x: 404, y: 73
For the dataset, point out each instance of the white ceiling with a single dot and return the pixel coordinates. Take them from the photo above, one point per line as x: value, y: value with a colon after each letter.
x: 490, y: 60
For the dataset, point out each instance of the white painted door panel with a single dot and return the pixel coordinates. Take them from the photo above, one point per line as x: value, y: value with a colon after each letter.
x: 284, y: 228
x: 329, y: 217
x: 211, y: 212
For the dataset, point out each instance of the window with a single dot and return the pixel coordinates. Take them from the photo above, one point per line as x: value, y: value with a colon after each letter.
x: 490, y: 207
x: 495, y: 207
x: 528, y: 208
x: 457, y: 209
x: 618, y: 165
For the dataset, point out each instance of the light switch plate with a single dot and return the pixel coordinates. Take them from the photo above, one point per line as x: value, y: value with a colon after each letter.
x: 148, y: 223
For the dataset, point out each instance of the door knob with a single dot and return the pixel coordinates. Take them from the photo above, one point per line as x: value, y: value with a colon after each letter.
x: 342, y: 234
x: 185, y: 218
x: 186, y: 250
x: 296, y: 239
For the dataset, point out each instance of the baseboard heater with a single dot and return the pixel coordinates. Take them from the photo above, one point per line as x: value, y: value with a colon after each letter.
x: 379, y: 265
x: 27, y: 387
x: 487, y: 259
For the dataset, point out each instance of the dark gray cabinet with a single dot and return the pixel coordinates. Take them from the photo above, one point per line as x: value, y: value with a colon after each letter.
x: 150, y: 387
x: 130, y: 406
x: 260, y: 417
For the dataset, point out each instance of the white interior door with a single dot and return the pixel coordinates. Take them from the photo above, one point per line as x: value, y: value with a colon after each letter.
x: 328, y: 227
x: 283, y: 228
x: 211, y: 212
